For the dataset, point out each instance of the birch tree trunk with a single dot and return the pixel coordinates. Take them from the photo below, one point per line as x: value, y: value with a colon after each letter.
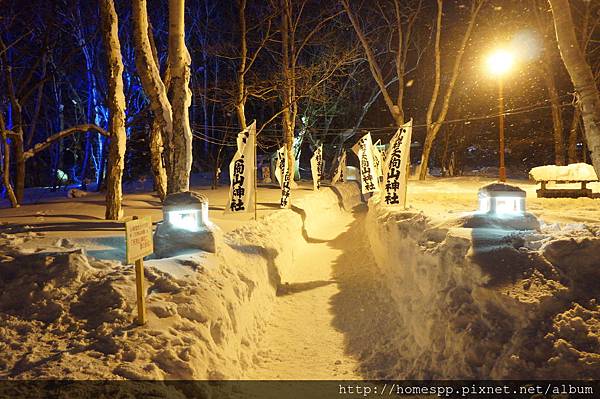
x: 156, y: 137
x: 148, y: 70
x: 116, y: 105
x: 581, y: 75
x: 288, y: 100
x: 179, y: 66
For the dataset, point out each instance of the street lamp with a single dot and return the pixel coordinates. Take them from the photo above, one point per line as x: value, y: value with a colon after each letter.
x: 499, y: 64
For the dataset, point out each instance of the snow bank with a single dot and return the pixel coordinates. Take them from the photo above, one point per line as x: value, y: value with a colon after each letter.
x: 66, y: 315
x: 477, y: 300
x: 572, y: 172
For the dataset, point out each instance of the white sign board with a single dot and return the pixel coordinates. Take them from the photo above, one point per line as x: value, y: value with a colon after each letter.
x: 138, y: 237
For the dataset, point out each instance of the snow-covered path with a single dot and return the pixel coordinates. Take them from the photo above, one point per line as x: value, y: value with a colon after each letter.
x: 326, y: 323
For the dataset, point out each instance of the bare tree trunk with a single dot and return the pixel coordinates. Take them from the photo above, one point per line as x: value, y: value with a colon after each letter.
x: 572, y: 148
x: 156, y: 137
x: 148, y: 70
x: 581, y: 75
x: 179, y: 65
x: 6, y: 165
x: 395, y: 109
x: 433, y: 127
x: 116, y: 105
x: 156, y: 160
x: 544, y: 24
x: 20, y: 164
x: 557, y: 122
x: 287, y: 114
x: 19, y: 146
x: 241, y: 86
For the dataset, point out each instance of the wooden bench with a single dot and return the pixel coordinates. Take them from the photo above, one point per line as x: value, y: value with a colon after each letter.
x: 544, y: 192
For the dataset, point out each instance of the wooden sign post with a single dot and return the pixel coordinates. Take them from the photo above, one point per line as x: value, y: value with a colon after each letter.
x: 138, y: 237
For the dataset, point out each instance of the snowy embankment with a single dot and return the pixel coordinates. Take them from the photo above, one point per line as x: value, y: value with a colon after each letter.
x: 66, y: 315
x: 480, y: 298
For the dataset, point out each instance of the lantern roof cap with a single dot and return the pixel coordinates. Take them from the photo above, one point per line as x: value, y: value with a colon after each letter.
x: 501, y: 190
x: 185, y: 199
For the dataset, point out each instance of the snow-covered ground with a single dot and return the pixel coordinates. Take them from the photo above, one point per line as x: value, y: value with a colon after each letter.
x: 479, y: 297
x: 327, y: 289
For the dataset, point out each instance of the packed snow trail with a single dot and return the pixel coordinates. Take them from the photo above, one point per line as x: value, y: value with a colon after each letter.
x: 328, y: 324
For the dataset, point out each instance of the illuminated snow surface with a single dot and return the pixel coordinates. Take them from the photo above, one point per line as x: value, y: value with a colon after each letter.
x: 325, y: 290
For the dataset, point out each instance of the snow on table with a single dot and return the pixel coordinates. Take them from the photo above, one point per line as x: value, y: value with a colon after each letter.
x: 574, y: 172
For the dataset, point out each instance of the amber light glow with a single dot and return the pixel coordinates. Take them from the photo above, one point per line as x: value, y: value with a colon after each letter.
x: 500, y: 62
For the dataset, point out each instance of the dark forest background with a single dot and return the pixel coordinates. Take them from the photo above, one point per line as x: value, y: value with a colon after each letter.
x: 53, y: 55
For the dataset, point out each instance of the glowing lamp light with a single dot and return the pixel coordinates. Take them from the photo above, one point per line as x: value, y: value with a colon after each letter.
x: 500, y: 62
x: 184, y: 219
x: 186, y: 211
x: 501, y: 200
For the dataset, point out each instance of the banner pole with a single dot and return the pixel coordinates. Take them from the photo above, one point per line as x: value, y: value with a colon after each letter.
x: 407, y: 176
x: 255, y: 174
x: 139, y: 288
x: 407, y: 165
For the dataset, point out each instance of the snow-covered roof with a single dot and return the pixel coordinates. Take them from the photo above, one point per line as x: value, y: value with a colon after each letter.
x: 572, y: 172
x: 501, y: 190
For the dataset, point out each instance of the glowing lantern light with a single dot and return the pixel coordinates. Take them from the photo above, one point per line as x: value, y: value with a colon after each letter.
x: 186, y: 211
x: 501, y: 199
x: 188, y: 219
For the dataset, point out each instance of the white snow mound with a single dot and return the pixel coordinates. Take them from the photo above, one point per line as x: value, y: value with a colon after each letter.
x: 485, y: 301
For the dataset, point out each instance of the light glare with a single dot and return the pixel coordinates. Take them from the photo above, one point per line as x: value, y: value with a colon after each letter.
x: 500, y: 62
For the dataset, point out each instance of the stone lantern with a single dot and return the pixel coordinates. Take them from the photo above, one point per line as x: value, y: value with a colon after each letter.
x: 185, y: 226
x: 501, y: 199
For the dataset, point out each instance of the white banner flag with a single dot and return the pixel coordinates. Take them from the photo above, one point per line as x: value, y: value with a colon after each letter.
x: 282, y: 175
x: 368, y: 173
x: 242, y: 172
x: 316, y: 167
x: 341, y: 168
x: 396, y: 165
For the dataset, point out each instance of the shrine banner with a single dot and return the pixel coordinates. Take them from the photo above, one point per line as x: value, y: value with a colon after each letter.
x: 316, y: 167
x: 341, y: 168
x: 280, y: 163
x: 283, y: 177
x: 242, y: 173
x: 395, y: 169
x: 368, y: 173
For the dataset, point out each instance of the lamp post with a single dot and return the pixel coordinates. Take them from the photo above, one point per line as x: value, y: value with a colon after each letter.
x: 499, y: 63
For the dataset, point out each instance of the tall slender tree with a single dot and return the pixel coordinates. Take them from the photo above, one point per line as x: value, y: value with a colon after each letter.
x: 171, y: 113
x: 181, y: 98
x: 116, y: 105
x: 434, y: 123
x: 581, y: 74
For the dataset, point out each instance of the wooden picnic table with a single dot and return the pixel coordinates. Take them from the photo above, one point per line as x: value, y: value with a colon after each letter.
x: 583, y: 191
